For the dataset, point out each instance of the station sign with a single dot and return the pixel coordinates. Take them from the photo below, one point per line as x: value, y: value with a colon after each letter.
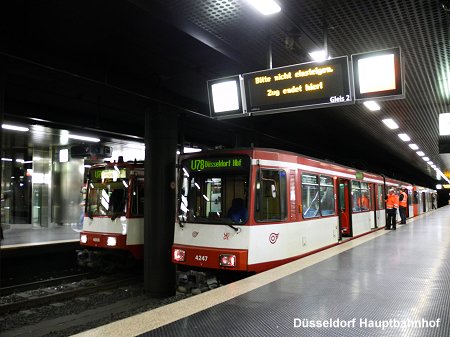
x: 102, y: 174
x: 378, y: 75
x: 300, y: 86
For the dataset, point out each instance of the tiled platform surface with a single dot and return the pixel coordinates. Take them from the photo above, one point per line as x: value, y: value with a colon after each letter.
x: 387, y: 283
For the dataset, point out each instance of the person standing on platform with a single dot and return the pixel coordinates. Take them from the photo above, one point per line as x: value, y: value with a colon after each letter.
x: 403, y: 203
x: 391, y: 209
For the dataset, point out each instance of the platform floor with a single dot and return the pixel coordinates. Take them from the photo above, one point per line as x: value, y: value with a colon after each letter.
x: 387, y: 283
x: 28, y: 235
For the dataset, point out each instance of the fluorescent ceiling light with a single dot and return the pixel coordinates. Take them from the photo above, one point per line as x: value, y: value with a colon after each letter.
x: 444, y: 124
x: 404, y: 137
x: 426, y: 158
x: 266, y: 7
x: 15, y: 127
x: 6, y: 159
x: 430, y: 162
x: 420, y: 153
x: 372, y: 105
x: 88, y: 139
x: 413, y: 146
x: 318, y: 55
x: 390, y: 123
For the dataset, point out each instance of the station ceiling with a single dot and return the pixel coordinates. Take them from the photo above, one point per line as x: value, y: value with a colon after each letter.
x: 101, y: 65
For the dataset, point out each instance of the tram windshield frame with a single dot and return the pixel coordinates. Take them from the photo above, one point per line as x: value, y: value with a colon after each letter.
x: 107, y: 192
x: 214, y: 190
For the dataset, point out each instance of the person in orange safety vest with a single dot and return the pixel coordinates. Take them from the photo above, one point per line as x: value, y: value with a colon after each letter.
x: 391, y: 209
x: 363, y: 203
x: 403, y: 203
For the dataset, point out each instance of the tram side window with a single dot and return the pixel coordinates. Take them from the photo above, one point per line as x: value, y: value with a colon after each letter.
x: 366, y: 199
x: 271, y: 201
x: 380, y: 199
x: 310, y: 196
x: 137, y: 201
x: 326, y: 196
x: 360, y: 196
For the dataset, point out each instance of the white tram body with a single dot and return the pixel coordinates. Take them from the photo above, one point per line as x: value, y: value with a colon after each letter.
x: 294, y: 206
x: 114, y: 208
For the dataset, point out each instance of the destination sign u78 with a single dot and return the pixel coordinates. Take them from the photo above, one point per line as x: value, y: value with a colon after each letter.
x: 299, y: 86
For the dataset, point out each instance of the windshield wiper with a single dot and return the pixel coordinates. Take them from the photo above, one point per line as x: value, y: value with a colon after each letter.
x: 235, y: 228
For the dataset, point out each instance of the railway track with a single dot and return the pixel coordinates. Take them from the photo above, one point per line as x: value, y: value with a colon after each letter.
x: 4, y: 291
x: 40, y: 293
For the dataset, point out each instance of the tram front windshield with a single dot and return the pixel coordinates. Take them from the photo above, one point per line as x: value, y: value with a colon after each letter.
x: 215, y: 190
x: 107, y: 193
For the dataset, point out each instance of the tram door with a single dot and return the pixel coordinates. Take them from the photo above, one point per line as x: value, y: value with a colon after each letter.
x: 374, y: 204
x: 344, y: 207
x: 424, y: 202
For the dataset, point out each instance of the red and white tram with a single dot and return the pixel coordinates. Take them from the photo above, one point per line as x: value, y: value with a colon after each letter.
x: 287, y: 206
x: 114, y: 213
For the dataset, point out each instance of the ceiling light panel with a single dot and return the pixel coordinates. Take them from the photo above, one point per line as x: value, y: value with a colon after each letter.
x: 404, y: 137
x: 266, y: 7
x: 87, y: 139
x: 389, y: 122
x: 372, y: 105
x: 14, y: 127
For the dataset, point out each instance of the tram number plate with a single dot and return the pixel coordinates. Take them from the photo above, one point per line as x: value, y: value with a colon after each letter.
x: 201, y: 257
x: 96, y: 239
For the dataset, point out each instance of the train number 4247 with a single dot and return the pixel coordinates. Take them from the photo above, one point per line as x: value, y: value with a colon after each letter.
x: 201, y: 257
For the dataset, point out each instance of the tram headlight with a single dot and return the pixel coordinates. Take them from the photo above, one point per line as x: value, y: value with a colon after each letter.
x: 83, y: 238
x: 227, y: 260
x: 111, y: 241
x: 179, y: 255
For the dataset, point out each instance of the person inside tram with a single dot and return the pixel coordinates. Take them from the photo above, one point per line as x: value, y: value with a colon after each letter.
x: 238, y: 212
x: 363, y: 203
x: 116, y: 202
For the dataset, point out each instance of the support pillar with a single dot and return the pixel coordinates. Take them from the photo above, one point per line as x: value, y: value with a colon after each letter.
x: 2, y: 112
x: 159, y: 213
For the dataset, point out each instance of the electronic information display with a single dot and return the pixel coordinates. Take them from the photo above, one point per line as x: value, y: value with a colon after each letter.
x: 300, y: 86
x: 225, y: 97
x: 211, y: 164
x: 378, y: 75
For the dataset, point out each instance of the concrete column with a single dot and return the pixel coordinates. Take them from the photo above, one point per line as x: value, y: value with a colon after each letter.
x: 161, y: 132
x: 4, y: 216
